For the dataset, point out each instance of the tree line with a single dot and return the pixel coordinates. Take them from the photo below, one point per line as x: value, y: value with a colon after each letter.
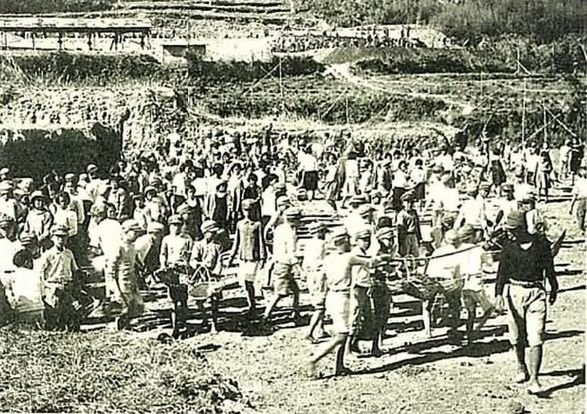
x: 466, y: 20
x: 53, y: 6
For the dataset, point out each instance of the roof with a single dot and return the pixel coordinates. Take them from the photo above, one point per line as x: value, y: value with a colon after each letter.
x: 34, y: 24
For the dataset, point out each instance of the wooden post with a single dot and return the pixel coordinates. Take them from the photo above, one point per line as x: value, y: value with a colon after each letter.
x: 545, y: 123
x: 524, y: 117
x: 346, y: 101
x: 33, y: 39
x: 281, y: 83
x: 5, y: 41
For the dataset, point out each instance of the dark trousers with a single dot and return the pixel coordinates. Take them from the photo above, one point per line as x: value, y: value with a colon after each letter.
x: 63, y: 315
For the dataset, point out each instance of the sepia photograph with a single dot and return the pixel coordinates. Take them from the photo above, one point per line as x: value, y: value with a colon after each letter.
x: 293, y: 206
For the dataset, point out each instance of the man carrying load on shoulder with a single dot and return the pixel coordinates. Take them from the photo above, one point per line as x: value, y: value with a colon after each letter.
x: 338, y: 266
x: 473, y: 291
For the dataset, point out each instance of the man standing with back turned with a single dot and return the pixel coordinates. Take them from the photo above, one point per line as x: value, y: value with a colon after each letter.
x: 524, y: 264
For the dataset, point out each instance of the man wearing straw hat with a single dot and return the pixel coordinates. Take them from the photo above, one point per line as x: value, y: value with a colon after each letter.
x: 58, y: 278
x: 286, y: 263
x: 524, y: 264
x: 314, y: 252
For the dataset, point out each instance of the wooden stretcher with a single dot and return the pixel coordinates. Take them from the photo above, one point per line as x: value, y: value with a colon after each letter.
x: 415, y: 280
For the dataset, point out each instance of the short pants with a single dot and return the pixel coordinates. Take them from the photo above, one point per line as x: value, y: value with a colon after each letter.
x: 316, y: 281
x: 338, y: 306
x: 283, y: 279
x: 526, y: 315
x: 247, y: 271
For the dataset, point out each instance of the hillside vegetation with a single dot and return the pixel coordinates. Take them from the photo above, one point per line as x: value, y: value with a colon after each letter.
x: 53, y: 6
x: 563, y: 56
x: 470, y: 20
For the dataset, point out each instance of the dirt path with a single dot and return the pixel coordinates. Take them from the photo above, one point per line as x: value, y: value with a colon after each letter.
x: 420, y: 375
x: 342, y: 71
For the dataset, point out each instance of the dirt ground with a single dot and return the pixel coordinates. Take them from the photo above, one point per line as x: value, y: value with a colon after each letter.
x: 418, y: 374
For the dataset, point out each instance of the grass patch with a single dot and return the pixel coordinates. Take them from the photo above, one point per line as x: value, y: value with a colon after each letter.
x: 103, y: 373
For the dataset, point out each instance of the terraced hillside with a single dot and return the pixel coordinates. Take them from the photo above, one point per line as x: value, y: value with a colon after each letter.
x: 268, y: 11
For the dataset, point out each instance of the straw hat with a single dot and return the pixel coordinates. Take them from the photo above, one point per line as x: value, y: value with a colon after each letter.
x: 59, y: 230
x: 209, y: 226
x: 384, y: 233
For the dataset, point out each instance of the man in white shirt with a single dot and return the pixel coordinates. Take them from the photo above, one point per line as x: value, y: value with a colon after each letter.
x: 268, y: 200
x: 522, y: 189
x: 506, y: 204
x: 474, y: 211
x: 532, y: 161
x: 359, y: 219
x: 564, y: 158
x: 444, y: 198
x: 286, y: 263
x: 444, y: 266
x: 76, y: 204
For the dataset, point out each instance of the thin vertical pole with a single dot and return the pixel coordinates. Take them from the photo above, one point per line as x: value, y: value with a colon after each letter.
x: 524, y: 116
x: 545, y: 124
x: 281, y: 83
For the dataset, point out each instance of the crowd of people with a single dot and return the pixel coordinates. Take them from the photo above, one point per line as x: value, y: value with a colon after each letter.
x: 325, y: 40
x: 198, y: 207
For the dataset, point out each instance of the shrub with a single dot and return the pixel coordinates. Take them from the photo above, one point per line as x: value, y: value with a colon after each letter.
x: 401, y: 60
x: 70, y: 68
x: 501, y: 55
x: 318, y: 99
x: 218, y: 72
x: 105, y: 373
